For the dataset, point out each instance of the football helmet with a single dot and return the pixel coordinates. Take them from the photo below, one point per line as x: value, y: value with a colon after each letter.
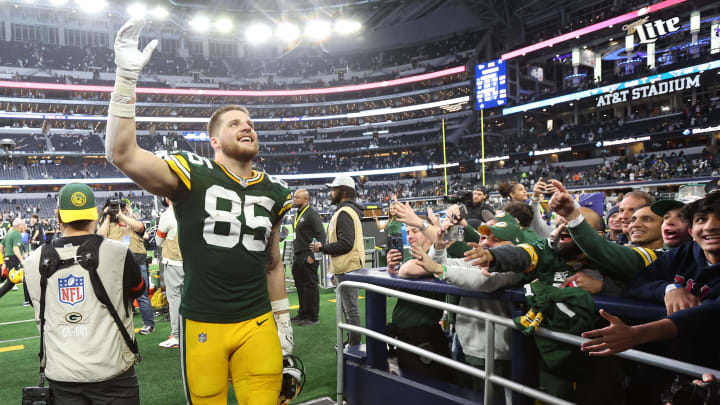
x: 16, y: 275
x: 293, y: 379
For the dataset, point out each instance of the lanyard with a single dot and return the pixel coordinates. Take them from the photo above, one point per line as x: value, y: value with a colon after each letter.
x: 297, y: 219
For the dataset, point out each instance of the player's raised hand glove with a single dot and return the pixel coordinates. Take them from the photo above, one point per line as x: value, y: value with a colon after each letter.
x: 128, y: 58
x: 285, y: 332
x: 129, y: 61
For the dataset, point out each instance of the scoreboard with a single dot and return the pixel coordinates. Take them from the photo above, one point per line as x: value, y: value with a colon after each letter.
x: 490, y: 84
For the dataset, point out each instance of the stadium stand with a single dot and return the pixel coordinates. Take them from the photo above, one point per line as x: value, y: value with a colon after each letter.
x: 397, y: 132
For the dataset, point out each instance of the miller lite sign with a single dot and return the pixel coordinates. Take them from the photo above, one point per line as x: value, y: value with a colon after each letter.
x: 648, y: 32
x: 71, y: 290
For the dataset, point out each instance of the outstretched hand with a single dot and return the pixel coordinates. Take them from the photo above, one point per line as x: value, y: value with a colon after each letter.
x: 406, y: 214
x: 128, y: 58
x: 612, y: 339
x: 481, y: 257
x: 562, y: 202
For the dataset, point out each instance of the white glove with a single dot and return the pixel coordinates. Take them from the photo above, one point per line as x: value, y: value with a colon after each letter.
x: 129, y: 61
x: 285, y: 332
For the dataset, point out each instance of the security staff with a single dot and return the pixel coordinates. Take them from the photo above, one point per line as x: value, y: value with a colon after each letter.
x: 345, y: 245
x: 82, y: 287
x: 307, y: 226
x: 124, y: 227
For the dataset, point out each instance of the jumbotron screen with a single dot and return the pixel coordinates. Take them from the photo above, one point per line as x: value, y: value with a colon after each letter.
x: 490, y: 84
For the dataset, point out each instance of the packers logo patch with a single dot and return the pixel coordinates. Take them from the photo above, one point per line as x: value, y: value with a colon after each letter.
x: 78, y: 199
x: 500, y: 225
x: 73, y: 317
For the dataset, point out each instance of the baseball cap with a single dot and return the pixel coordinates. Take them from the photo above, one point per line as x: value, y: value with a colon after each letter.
x: 661, y: 207
x: 342, y: 180
x: 712, y: 185
x: 76, y: 202
x: 506, y: 228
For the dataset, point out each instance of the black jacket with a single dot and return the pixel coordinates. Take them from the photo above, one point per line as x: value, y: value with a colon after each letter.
x: 309, y: 226
x: 345, y: 230
x: 475, y: 211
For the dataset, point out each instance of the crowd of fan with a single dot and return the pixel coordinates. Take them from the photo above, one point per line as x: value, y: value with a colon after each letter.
x: 643, y: 248
x: 305, y: 61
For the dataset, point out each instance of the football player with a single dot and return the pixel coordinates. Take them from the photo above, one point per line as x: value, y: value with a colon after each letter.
x: 228, y: 218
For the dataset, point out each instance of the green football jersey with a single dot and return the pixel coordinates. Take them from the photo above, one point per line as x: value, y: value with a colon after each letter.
x: 12, y: 239
x: 4, y: 228
x: 224, y: 222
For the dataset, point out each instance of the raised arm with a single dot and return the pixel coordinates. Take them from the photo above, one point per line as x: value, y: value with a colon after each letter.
x: 615, y: 260
x: 121, y: 149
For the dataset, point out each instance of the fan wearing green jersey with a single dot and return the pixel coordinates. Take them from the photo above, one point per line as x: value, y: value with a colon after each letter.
x: 234, y: 308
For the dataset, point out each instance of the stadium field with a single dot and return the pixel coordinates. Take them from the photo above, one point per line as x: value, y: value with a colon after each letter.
x: 159, y: 373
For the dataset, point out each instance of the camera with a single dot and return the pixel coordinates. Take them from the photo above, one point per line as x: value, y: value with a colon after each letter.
x: 114, y: 207
x: 36, y: 396
x: 460, y: 198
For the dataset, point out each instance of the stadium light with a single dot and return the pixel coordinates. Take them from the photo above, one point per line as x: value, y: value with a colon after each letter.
x: 91, y: 6
x: 258, y: 33
x: 318, y: 30
x: 58, y: 2
x: 224, y: 25
x: 137, y: 10
x: 159, y: 12
x: 347, y: 27
x: 200, y: 23
x: 288, y: 32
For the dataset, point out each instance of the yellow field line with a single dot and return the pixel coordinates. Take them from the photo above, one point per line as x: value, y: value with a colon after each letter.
x: 334, y: 300
x: 11, y: 348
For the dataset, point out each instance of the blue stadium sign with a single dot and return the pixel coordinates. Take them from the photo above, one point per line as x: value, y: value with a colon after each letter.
x: 490, y: 84
x: 615, y: 90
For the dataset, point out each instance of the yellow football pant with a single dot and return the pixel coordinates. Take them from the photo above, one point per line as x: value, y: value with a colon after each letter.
x: 247, y: 352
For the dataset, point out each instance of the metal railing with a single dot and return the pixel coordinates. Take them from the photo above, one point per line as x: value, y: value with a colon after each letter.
x: 490, y: 321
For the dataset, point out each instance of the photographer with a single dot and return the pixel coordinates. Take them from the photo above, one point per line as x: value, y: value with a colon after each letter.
x: 119, y: 223
x: 82, y: 287
x: 37, y: 234
x: 479, y: 204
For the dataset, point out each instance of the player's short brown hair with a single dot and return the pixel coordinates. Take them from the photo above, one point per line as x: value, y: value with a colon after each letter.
x: 215, y: 117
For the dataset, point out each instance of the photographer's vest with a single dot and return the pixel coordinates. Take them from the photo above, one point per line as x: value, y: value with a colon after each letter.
x: 82, y: 341
x: 355, y: 258
x: 128, y: 237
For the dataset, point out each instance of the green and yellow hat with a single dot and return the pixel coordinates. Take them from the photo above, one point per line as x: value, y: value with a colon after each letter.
x: 507, y: 228
x: 76, y: 202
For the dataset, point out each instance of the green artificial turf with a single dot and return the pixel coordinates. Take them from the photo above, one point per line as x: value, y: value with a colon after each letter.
x: 159, y: 373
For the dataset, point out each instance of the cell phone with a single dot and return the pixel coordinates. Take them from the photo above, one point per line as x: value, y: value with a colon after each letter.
x: 396, y: 242
x: 463, y: 211
x: 455, y: 233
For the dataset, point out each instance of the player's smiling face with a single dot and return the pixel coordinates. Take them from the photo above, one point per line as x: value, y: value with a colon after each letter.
x: 238, y: 138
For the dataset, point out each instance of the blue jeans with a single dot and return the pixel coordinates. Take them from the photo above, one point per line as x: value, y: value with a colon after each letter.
x: 146, y: 310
